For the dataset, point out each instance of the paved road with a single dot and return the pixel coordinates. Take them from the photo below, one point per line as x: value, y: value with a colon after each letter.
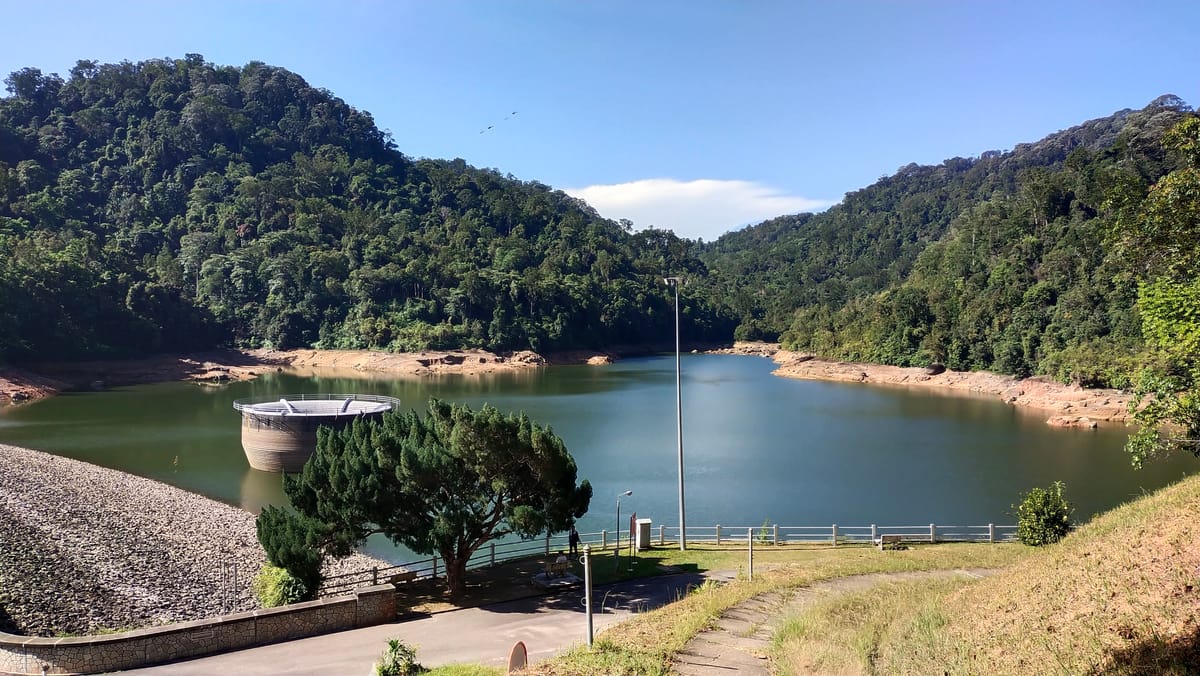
x: 547, y: 624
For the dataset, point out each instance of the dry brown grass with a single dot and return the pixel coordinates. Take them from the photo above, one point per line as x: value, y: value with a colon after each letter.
x: 849, y: 633
x: 646, y: 643
x: 1120, y: 595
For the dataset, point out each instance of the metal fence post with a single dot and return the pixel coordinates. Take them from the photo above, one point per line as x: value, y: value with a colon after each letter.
x: 718, y: 535
x: 374, y: 576
x: 775, y: 535
x: 493, y: 556
x: 434, y: 567
x: 547, y: 543
x: 662, y: 534
x: 932, y: 533
x: 874, y: 533
x: 991, y: 533
x: 603, y: 540
x: 835, y: 535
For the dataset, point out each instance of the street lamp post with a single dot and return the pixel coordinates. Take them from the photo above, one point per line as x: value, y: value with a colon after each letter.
x: 617, y: 550
x: 675, y: 282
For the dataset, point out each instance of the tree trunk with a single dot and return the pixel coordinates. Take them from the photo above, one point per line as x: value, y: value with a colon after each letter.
x: 456, y: 576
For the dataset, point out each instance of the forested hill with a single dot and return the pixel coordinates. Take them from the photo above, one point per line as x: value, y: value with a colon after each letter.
x: 1000, y: 262
x: 174, y: 204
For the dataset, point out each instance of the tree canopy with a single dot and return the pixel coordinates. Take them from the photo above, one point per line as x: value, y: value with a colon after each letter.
x: 445, y: 483
x: 1000, y: 262
x: 174, y: 204
x: 1159, y: 234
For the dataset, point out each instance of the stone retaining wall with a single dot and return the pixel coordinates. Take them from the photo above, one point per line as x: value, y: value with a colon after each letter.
x: 27, y: 656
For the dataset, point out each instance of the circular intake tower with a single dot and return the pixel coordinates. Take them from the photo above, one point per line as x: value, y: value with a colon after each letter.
x: 279, y: 435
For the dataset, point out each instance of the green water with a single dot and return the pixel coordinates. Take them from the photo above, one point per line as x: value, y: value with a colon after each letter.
x: 757, y: 447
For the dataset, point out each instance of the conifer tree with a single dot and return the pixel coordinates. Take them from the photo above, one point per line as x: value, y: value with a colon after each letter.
x: 445, y: 483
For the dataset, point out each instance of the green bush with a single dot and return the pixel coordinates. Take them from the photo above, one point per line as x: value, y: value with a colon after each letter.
x: 766, y: 533
x: 286, y: 538
x: 398, y: 660
x: 1044, y: 516
x: 274, y: 586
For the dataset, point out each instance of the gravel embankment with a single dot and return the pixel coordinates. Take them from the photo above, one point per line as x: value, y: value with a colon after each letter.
x: 85, y: 549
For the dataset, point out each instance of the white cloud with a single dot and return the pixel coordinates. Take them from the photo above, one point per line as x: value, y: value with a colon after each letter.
x: 704, y: 208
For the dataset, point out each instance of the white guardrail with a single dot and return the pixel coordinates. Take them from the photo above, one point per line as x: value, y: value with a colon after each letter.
x: 770, y: 535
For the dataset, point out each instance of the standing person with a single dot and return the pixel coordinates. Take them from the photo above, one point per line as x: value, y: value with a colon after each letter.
x: 573, y: 540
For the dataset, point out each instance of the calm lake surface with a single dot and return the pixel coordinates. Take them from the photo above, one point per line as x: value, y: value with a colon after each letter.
x: 757, y: 447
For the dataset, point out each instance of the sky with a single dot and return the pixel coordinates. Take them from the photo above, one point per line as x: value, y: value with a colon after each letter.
x: 699, y: 116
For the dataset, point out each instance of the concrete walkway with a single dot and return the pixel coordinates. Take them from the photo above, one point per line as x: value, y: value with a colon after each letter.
x: 547, y: 625
x: 741, y: 640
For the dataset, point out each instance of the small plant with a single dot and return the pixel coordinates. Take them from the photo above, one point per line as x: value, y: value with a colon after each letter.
x: 274, y: 586
x: 765, y: 533
x: 399, y: 659
x: 1044, y: 516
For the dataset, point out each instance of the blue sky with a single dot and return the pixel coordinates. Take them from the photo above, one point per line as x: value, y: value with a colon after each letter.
x: 697, y: 116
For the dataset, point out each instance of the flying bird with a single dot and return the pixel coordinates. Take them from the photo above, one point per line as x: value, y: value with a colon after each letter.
x: 492, y: 126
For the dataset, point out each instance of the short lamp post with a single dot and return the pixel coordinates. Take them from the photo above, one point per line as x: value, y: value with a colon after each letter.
x: 675, y: 282
x: 617, y: 550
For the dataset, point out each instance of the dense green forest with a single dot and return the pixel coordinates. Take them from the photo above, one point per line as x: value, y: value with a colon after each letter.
x: 175, y: 204
x: 1002, y: 262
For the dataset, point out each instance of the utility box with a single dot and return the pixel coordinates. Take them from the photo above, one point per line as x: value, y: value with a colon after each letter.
x: 643, y: 534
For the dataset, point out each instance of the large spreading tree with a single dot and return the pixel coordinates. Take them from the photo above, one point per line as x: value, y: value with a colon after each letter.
x: 445, y: 483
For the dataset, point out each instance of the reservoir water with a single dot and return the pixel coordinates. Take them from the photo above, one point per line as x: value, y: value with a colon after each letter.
x: 757, y: 447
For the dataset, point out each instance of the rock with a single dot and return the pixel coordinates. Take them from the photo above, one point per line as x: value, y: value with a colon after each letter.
x: 1072, y: 421
x: 600, y: 360
x: 528, y: 357
x: 935, y: 369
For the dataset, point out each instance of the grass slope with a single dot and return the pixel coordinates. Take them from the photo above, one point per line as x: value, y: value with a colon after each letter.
x: 1121, y: 595
x: 645, y: 644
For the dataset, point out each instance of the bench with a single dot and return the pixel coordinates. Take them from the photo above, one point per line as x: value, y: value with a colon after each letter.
x: 401, y: 578
x: 889, y: 541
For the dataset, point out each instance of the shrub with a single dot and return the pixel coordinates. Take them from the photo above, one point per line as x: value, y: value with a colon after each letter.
x: 766, y: 533
x: 274, y: 586
x: 285, y: 537
x: 1044, y: 516
x: 399, y: 659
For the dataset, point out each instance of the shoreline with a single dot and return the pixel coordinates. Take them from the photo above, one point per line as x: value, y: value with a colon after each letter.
x: 1066, y: 405
x: 30, y: 382
x: 86, y: 549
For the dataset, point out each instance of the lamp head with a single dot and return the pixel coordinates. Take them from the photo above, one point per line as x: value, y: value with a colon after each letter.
x: 627, y: 493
